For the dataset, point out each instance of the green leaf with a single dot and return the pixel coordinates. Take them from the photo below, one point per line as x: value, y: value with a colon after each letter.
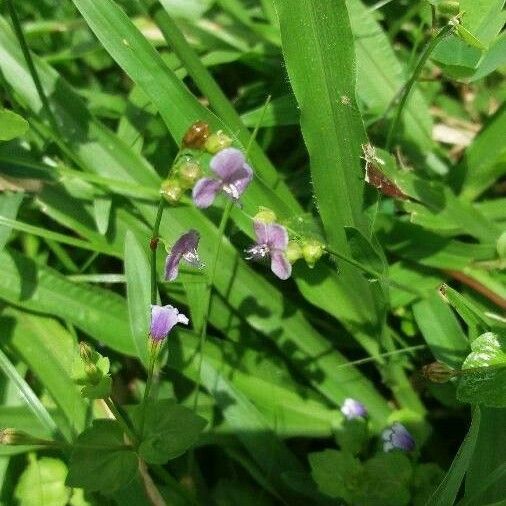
x: 102, y: 210
x: 385, y: 481
x: 100, y: 460
x: 425, y: 480
x: 169, y: 430
x: 351, y: 435
x: 9, y: 206
x: 484, y: 372
x: 50, y: 352
x: 43, y: 483
x: 449, y: 487
x: 364, y: 252
x: 98, y: 312
x: 441, y: 330
x: 12, y: 125
x: 138, y: 275
x: 337, y: 473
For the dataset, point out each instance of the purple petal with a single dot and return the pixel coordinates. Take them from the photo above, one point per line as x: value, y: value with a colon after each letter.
x: 187, y: 243
x: 261, y: 232
x: 352, y: 409
x: 277, y: 236
x: 280, y: 265
x: 163, y: 318
x: 226, y: 162
x: 205, y: 191
x: 397, y: 437
x: 242, y: 178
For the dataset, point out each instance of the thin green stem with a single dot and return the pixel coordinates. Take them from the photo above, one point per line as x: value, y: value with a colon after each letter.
x: 378, y: 275
x: 209, y: 289
x: 18, y: 30
x: 382, y: 355
x: 153, y: 245
x: 406, y: 89
x: 121, y: 420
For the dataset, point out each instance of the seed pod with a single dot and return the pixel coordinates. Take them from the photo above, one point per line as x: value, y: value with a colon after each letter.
x: 312, y: 250
x: 438, y: 372
x: 216, y: 142
x: 449, y: 7
x: 196, y: 136
x: 293, y: 251
x: 189, y: 172
x: 171, y: 190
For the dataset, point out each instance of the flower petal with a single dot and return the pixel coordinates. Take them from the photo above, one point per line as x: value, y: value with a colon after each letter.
x: 242, y: 178
x: 261, y: 232
x: 280, y: 265
x: 352, y: 409
x: 205, y: 191
x: 187, y: 243
x: 277, y: 236
x: 226, y: 162
x: 163, y: 319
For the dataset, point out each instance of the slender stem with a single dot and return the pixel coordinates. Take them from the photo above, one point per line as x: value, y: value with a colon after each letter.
x: 406, y: 89
x: 153, y: 245
x: 31, y: 66
x: 375, y: 274
x: 121, y: 420
x: 207, y: 307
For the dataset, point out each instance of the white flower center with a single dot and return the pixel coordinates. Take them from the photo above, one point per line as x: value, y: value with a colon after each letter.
x: 193, y: 259
x: 231, y: 189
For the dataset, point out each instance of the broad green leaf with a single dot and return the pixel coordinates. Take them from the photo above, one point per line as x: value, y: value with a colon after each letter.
x: 49, y: 351
x: 484, y: 372
x: 385, y: 481
x: 138, y: 276
x: 98, y: 312
x: 100, y: 460
x: 12, y: 125
x: 449, y: 487
x: 169, y: 430
x: 43, y: 483
x: 352, y: 435
x: 441, y: 331
x: 337, y: 473
x: 485, y: 480
x: 9, y: 205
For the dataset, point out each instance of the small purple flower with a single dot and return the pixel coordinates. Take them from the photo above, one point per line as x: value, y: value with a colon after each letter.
x: 185, y: 248
x: 352, y: 409
x: 233, y: 176
x: 271, y: 241
x: 397, y: 437
x: 163, y: 318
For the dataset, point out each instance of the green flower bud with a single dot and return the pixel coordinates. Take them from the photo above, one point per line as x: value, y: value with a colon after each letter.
x: 438, y: 372
x: 293, y: 251
x: 189, y: 172
x: 312, y: 251
x: 93, y: 373
x: 216, y: 142
x: 449, y: 7
x: 265, y: 215
x: 86, y: 352
x: 171, y: 190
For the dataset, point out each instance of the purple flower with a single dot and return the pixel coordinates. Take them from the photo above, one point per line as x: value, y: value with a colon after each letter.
x: 352, y: 409
x: 271, y: 241
x: 397, y: 437
x: 233, y: 176
x: 163, y: 318
x: 185, y: 248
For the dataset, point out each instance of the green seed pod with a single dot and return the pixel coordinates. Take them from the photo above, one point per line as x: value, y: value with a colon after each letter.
x: 265, y: 215
x: 171, y: 190
x: 312, y: 251
x: 449, y: 8
x: 293, y: 251
x: 189, y: 172
x: 216, y: 142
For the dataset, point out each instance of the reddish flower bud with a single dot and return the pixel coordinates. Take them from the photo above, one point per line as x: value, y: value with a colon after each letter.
x: 196, y: 136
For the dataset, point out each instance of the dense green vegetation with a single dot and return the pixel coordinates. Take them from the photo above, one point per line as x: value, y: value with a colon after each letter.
x: 252, y: 252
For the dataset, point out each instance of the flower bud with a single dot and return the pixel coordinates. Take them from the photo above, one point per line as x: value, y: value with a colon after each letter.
x: 189, y: 172
x: 437, y: 372
x: 265, y: 215
x: 312, y: 251
x: 216, y: 142
x: 196, y: 136
x: 86, y: 352
x: 13, y: 437
x: 171, y: 190
x: 449, y: 7
x: 93, y: 373
x: 293, y: 251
